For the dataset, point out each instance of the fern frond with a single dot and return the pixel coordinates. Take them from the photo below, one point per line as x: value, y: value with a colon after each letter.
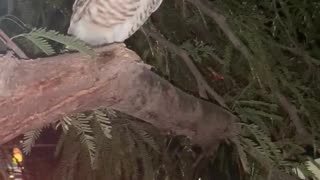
x: 29, y: 139
x: 67, y: 165
x: 130, y: 142
x: 262, y: 113
x: 82, y: 124
x: 307, y: 173
x: 69, y: 41
x: 242, y: 155
x: 104, y: 122
x: 41, y: 43
x: 266, y: 146
x: 258, y: 103
x: 145, y: 137
x: 65, y: 123
x: 128, y: 158
x: 146, y: 162
x: 142, y: 151
x: 60, y: 144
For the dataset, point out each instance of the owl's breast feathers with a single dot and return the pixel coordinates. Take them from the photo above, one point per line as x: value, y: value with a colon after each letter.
x: 106, y: 21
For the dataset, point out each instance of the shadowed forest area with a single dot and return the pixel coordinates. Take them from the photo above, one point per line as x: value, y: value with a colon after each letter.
x: 223, y: 90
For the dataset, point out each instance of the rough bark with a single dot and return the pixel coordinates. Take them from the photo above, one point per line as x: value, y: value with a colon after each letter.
x: 37, y: 92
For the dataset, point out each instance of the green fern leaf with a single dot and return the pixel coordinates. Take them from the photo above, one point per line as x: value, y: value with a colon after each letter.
x: 306, y: 172
x: 242, y: 155
x: 104, y: 122
x: 146, y: 162
x: 69, y: 41
x: 41, y: 44
x: 145, y: 137
x: 29, y: 140
x: 65, y: 122
x: 268, y: 147
x: 263, y: 114
x: 82, y: 124
x: 59, y: 145
x: 258, y: 103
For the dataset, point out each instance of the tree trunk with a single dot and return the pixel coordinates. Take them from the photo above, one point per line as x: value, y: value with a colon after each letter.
x: 38, y: 92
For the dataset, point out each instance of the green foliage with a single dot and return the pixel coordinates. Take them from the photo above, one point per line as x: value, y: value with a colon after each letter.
x: 277, y: 34
x: 81, y: 123
x: 41, y: 38
x: 135, y: 151
x: 40, y: 43
x: 283, y: 37
x: 306, y: 172
x: 122, y: 155
x: 29, y: 139
x: 200, y: 51
x: 104, y: 122
x: 37, y: 37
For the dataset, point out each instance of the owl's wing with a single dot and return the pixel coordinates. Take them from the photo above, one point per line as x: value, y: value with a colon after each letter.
x: 78, y: 4
x: 109, y: 13
x: 107, y: 21
x: 156, y: 4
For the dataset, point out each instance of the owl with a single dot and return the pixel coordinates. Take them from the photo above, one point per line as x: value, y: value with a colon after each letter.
x: 99, y: 22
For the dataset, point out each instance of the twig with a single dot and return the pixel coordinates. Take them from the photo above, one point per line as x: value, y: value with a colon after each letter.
x: 293, y: 114
x: 299, y: 52
x: 221, y: 21
x: 11, y: 45
x: 203, y: 86
x: 224, y: 26
x: 148, y: 39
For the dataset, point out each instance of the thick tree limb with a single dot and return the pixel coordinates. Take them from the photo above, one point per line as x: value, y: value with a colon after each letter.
x: 37, y: 92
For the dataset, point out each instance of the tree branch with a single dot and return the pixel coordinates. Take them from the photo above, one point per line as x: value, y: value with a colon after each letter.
x: 37, y: 92
x: 203, y: 85
x: 224, y: 26
x: 302, y: 134
x: 244, y: 50
x: 11, y: 45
